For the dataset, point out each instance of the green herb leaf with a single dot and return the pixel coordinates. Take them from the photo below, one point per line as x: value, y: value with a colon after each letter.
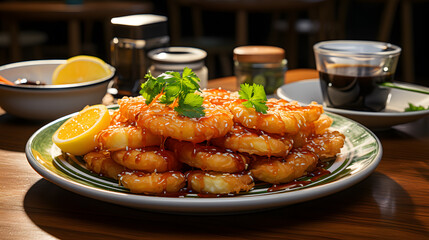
x: 152, y: 87
x: 174, y: 86
x: 191, y: 106
x: 255, y: 96
x: 411, y: 107
x: 245, y: 91
x: 402, y: 87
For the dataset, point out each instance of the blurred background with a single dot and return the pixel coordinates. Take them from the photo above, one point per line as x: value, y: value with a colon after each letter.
x: 217, y: 26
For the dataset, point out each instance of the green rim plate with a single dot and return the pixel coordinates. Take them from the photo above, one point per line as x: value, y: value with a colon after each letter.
x: 359, y: 157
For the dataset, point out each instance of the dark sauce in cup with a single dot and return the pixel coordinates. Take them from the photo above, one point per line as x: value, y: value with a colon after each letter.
x: 355, y: 87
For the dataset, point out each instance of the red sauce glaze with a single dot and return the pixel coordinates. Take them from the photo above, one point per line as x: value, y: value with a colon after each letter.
x: 240, y: 161
x: 210, y: 195
x: 203, y: 148
x: 239, y: 130
x: 289, y: 185
x: 168, y: 156
x: 318, y: 173
x: 315, y: 175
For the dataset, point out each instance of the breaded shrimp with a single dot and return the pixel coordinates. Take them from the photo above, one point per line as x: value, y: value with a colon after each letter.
x: 153, y: 183
x: 252, y: 141
x: 317, y: 127
x: 279, y: 170
x: 131, y: 107
x: 219, y: 183
x: 165, y: 121
x: 322, y: 124
x: 282, y: 117
x: 326, y: 145
x: 151, y: 159
x: 208, y: 157
x: 118, y: 137
x: 219, y: 96
x: 101, y: 163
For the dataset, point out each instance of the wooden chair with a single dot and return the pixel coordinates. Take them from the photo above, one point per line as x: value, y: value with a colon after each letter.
x: 406, y: 8
x: 387, y: 18
x: 31, y: 41
x: 217, y: 48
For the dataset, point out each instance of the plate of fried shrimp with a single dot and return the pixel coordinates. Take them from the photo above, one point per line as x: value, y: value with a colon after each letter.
x: 210, y: 151
x: 358, y: 157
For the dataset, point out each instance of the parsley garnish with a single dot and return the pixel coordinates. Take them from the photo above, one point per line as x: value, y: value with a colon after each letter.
x: 411, y: 107
x: 175, y: 90
x: 255, y: 96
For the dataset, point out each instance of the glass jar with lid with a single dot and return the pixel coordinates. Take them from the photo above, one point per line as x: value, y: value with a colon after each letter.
x: 176, y: 59
x: 264, y: 65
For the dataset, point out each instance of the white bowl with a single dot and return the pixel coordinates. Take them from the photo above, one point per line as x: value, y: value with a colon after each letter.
x: 46, y: 102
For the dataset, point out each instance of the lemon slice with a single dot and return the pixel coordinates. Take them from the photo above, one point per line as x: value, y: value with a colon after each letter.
x: 80, y: 69
x: 77, y: 134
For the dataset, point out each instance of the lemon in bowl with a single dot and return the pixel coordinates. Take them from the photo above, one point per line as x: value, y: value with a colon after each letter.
x: 50, y: 101
x: 80, y: 69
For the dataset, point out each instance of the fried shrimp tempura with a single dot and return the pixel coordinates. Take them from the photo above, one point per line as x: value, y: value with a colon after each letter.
x: 282, y: 117
x: 322, y: 124
x: 279, y: 170
x: 219, y: 97
x: 165, y: 121
x: 326, y: 145
x: 317, y: 127
x: 299, y: 161
x: 130, y: 108
x: 101, y: 163
x: 153, y: 183
x: 147, y: 159
x: 209, y: 158
x: 257, y: 142
x: 219, y: 183
x: 118, y: 137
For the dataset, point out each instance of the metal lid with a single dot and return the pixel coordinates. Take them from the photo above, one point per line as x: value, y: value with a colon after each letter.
x: 139, y: 26
x: 258, y: 54
x: 177, y: 55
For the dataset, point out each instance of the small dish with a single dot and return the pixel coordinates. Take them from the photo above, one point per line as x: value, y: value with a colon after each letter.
x: 307, y: 91
x: 46, y: 102
x: 359, y: 157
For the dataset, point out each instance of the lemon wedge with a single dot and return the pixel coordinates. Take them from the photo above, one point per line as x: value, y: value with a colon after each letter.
x: 80, y: 69
x: 77, y: 135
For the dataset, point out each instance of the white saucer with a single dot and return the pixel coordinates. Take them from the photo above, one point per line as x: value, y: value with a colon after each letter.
x: 307, y: 91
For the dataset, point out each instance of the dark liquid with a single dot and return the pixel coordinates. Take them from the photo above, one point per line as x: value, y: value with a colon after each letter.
x: 355, y: 87
x: 24, y: 81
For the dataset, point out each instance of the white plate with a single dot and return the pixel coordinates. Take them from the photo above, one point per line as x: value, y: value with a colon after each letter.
x: 309, y: 90
x: 359, y: 157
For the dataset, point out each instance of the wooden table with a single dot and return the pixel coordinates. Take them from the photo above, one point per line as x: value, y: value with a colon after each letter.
x: 14, y: 12
x: 392, y: 203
